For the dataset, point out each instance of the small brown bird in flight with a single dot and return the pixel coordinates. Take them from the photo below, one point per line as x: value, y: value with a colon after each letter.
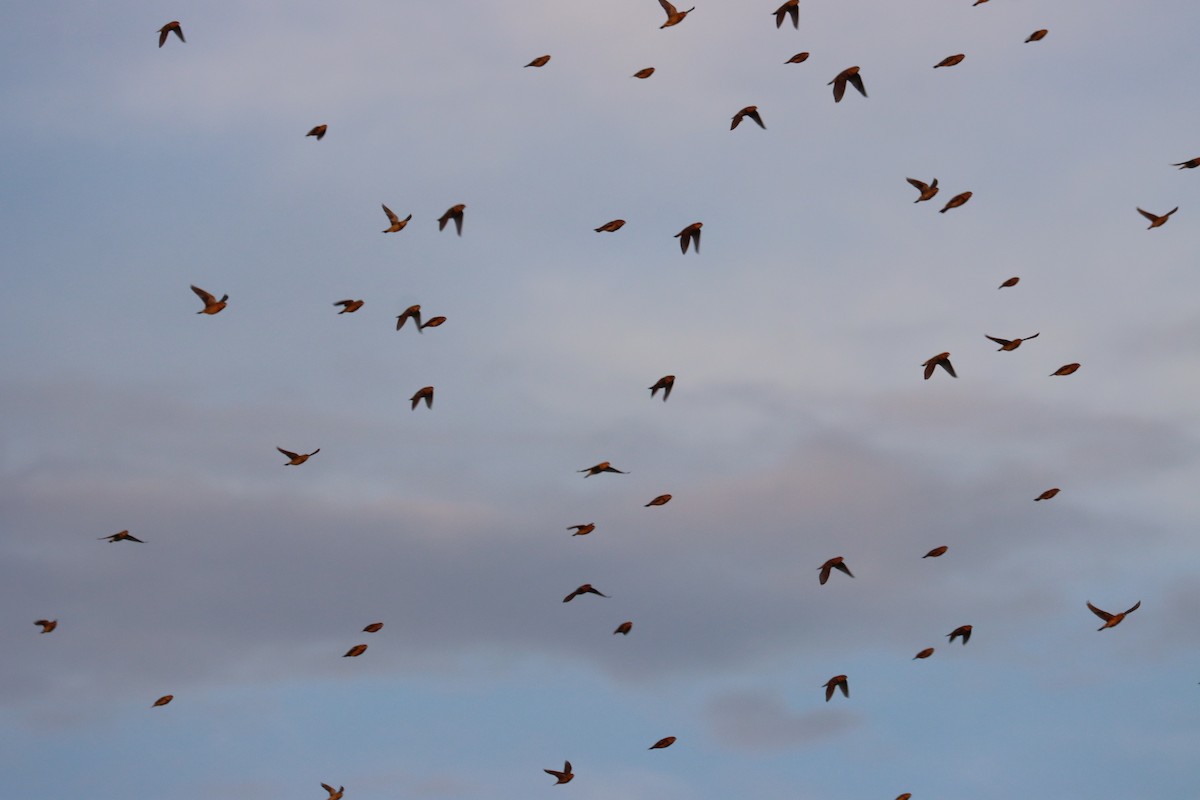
x: 1155, y: 220
x: 584, y: 589
x: 564, y: 776
x: 122, y: 536
x: 433, y: 323
x: 661, y: 743
x: 1046, y: 495
x: 413, y: 313
x: 950, y: 61
x: 1037, y: 36
x: 211, y: 304
x: 748, y: 111
x: 690, y: 234
x: 397, y: 223
x: 47, y: 624
x: 962, y: 630
x: 926, y: 653
x: 455, y: 213
x: 799, y: 58
x: 936, y: 552
x: 297, y: 458
x: 1065, y: 369
x: 582, y: 530
x: 540, y: 61
x: 956, y: 201
x: 355, y: 651
x: 167, y: 30
x: 374, y: 627
x: 836, y: 682
x: 661, y: 500
x: 837, y: 563
x: 674, y: 16
x: 839, y: 83
x: 318, y: 132
x: 1010, y: 344
x: 341, y: 790
x: 603, y: 466
x: 792, y: 8
x: 927, y: 190
x: 644, y: 73
x: 349, y: 306
x: 940, y: 360
x: 1191, y: 163
x: 1013, y: 281
x: 162, y: 701
x: 1112, y: 620
x: 611, y: 227
x: 424, y: 393
x: 624, y: 628
x: 666, y: 382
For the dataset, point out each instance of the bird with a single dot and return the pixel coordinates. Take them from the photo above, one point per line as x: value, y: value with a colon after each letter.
x: 837, y: 563
x: 644, y: 73
x: 1155, y: 220
x: 940, y: 360
x: 748, y: 111
x: 540, y: 61
x: 1191, y: 163
x: 297, y: 458
x: 1010, y: 344
x: 905, y: 796
x: 47, y: 624
x: 836, y: 682
x: 950, y: 61
x: 167, y: 30
x: 374, y: 627
x: 689, y: 234
x: 162, y: 701
x: 666, y: 741
x: 978, y: 3
x: 1112, y: 620
x: 318, y: 132
x: 611, y: 227
x: 455, y: 213
x: 413, y: 313
x: 956, y: 201
x: 341, y: 790
x: 926, y: 653
x: 122, y: 536
x: 433, y: 323
x: 799, y: 58
x: 349, y: 306
x: 355, y: 651
x: 1046, y: 495
x: 962, y: 630
x: 661, y: 500
x: 937, y: 552
x: 425, y: 393
x: 397, y: 223
x: 927, y: 190
x: 624, y: 628
x: 666, y: 382
x: 582, y: 530
x: 839, y: 83
x: 674, y: 16
x: 1013, y: 281
x: 603, y: 466
x: 584, y: 589
x: 1065, y: 369
x: 1037, y: 36
x: 211, y: 304
x: 791, y: 7
x: 564, y: 776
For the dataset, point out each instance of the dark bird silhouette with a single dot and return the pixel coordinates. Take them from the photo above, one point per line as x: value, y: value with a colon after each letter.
x: 540, y: 61
x: 455, y: 213
x: 318, y: 132
x: 297, y: 458
x: 374, y: 627
x: 341, y: 790
x: 956, y: 201
x: 849, y: 74
x: 1155, y: 220
x: 584, y: 589
x: 603, y: 466
x: 211, y: 304
x: 564, y: 776
x: 611, y: 227
x: 424, y: 393
x: 799, y: 58
x: 122, y: 536
x: 664, y: 742
x: 1191, y: 163
x: 413, y: 313
x: 748, y: 111
x: 950, y: 61
x: 790, y: 8
x: 940, y: 360
x: 666, y: 382
x: 837, y: 563
x: 936, y: 552
x: 624, y: 628
x: 962, y: 630
x: 661, y: 500
x: 644, y: 73
x: 397, y: 223
x: 349, y: 306
x: 167, y: 30
x: 356, y: 651
x: 582, y: 530
x: 674, y: 16
x: 837, y: 682
x: 47, y: 625
x: 162, y: 701
x: 1010, y: 344
x: 926, y: 653
x: 1065, y: 369
x: 1037, y: 36
x: 432, y: 323
x: 690, y: 234
x: 1046, y: 495
x: 1013, y: 281
x: 1112, y: 620
x: 927, y: 190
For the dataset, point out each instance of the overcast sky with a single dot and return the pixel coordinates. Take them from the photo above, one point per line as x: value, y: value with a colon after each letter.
x: 799, y: 427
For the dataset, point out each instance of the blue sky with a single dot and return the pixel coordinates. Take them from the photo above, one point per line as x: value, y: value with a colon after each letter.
x: 799, y: 427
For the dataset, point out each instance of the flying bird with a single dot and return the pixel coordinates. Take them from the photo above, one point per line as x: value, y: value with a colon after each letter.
x: 674, y: 16
x: 297, y: 458
x: 603, y: 466
x: 956, y: 201
x: 927, y: 190
x: 453, y: 213
x: 792, y: 8
x: 839, y: 83
x: 413, y: 313
x: 433, y: 323
x: 926, y: 653
x: 937, y: 552
x: 1046, y: 495
x: 962, y: 630
x: 356, y: 651
x: 540, y: 61
x: 799, y: 58
x: 661, y: 743
x: 162, y: 701
x: 689, y: 234
x: 564, y: 776
x: 47, y: 625
x: 1010, y: 344
x: 397, y: 223
x: 748, y: 111
x: 374, y: 627
x: 666, y: 382
x: 644, y: 73
x: 940, y: 360
x: 211, y: 304
x: 837, y: 563
x: 1013, y: 281
x: 318, y: 132
x: 1191, y: 163
x: 1112, y: 620
x: 122, y: 536
x: 661, y: 500
x: 624, y: 628
x: 836, y: 682
x: 349, y: 306
x: 167, y: 30
x: 611, y: 227
x: 582, y: 530
x: 1065, y: 369
x: 341, y: 790
x: 425, y: 393
x: 584, y: 589
x: 1037, y: 36
x: 1155, y: 220
x: 950, y: 61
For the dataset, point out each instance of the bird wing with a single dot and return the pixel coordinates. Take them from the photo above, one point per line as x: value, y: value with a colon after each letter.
x: 737, y: 119
x: 1001, y: 342
x: 162, y: 36
x: 839, y: 87
x: 458, y: 220
x: 288, y: 453
x: 1104, y: 615
x: 946, y: 365
x: 842, y: 566
x: 1147, y: 215
x: 1027, y: 338
x: 1136, y: 606
x: 571, y: 596
x: 667, y: 390
x: 920, y: 186
x: 395, y: 220
x: 754, y: 115
x: 696, y: 238
x: 667, y: 7
x: 829, y: 691
x: 203, y: 295
x: 824, y: 577
x: 132, y: 538
x: 856, y: 79
x: 682, y: 236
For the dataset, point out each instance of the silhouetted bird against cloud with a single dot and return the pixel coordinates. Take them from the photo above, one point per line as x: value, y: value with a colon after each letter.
x: 356, y: 651
x: 1065, y: 369
x: 318, y: 132
x: 413, y: 313
x: 211, y: 304
x: 624, y: 628
x: 644, y: 73
x: 927, y: 190
x: 341, y: 790
x: 1037, y: 36
x: 962, y: 630
x: 297, y: 458
x: 666, y: 741
x: 834, y: 683
x: 1112, y: 620
x: 1046, y: 495
x: 661, y: 500
x: 584, y: 589
x: 950, y: 61
x: 837, y: 563
x: 936, y: 552
x: 1191, y: 163
x: 47, y: 625
x: 603, y: 466
x: 674, y: 16
x: 162, y: 701
x: 956, y: 201
x: 168, y: 29
x: 1008, y: 345
x: 1155, y: 220
x: 397, y: 223
x: 425, y: 393
x: 564, y: 776
x: 849, y: 74
x: 799, y: 58
x: 611, y: 227
x: 540, y: 61
x: 432, y: 323
x: 374, y: 627
x: 455, y: 213
x: 1013, y: 281
x: 790, y: 8
x: 666, y: 382
x: 748, y: 111
x: 926, y: 653
x: 940, y: 360
x: 582, y: 530
x: 690, y: 234
x: 122, y: 536
x: 349, y: 306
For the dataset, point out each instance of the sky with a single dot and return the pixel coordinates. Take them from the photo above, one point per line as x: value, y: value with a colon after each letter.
x: 799, y: 427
